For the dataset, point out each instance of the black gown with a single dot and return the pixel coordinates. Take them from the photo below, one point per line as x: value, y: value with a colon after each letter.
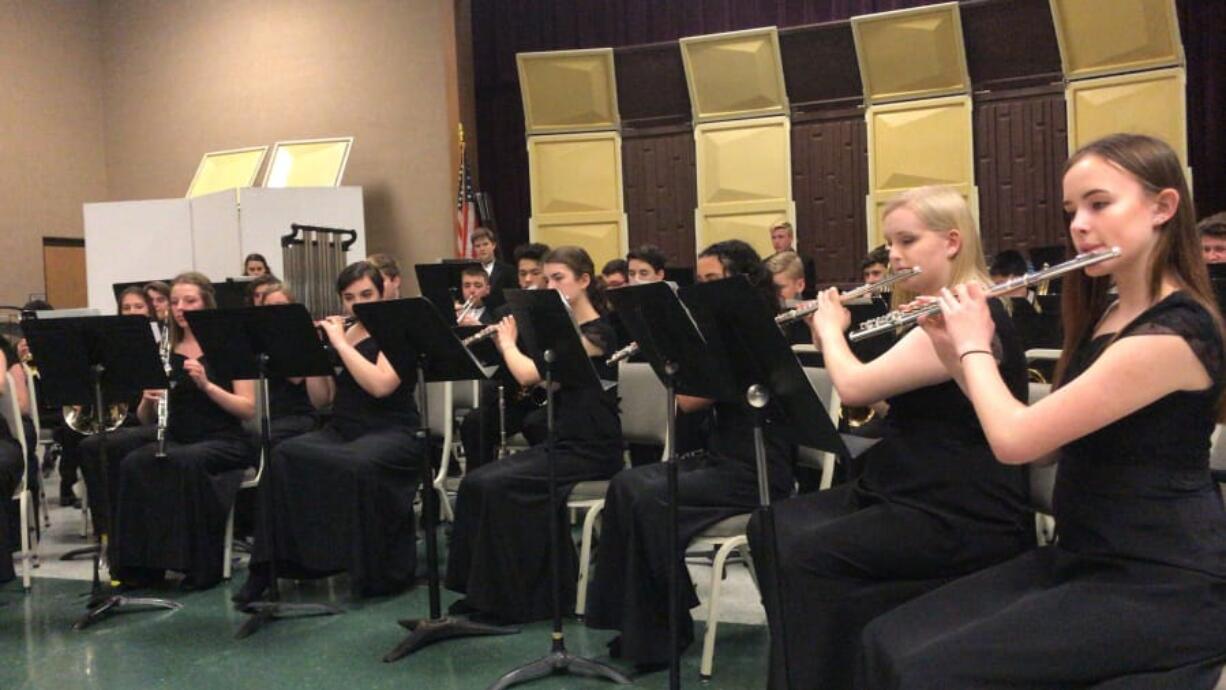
x: 10, y: 477
x: 931, y: 503
x: 341, y: 498
x: 170, y: 513
x: 289, y: 409
x: 1131, y: 597
x: 499, y: 552
x: 629, y: 590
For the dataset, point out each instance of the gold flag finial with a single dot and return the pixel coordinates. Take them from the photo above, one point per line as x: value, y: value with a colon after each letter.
x: 460, y: 131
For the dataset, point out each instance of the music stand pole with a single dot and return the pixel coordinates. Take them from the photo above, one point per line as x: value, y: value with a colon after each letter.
x: 271, y: 607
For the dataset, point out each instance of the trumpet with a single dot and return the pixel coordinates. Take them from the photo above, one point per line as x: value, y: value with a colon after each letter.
x: 483, y: 334
x: 464, y: 309
x: 899, y: 319
x: 801, y: 312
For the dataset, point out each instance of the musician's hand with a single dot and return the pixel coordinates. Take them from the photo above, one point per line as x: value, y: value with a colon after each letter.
x: 469, y: 320
x: 831, y: 318
x: 195, y: 370
x: 333, y: 327
x: 507, y: 333
x: 965, y: 323
x: 153, y: 395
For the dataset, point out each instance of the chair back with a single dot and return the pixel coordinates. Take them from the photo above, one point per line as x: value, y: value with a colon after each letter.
x: 12, y: 417
x: 823, y: 385
x: 643, y: 403
x: 1042, y: 477
x: 1217, y: 450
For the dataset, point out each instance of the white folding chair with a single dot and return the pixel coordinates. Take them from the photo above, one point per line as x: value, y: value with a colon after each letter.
x: 251, y: 480
x: 1042, y: 478
x: 12, y: 416
x: 446, y: 399
x: 728, y: 537
x: 643, y: 398
x: 39, y: 443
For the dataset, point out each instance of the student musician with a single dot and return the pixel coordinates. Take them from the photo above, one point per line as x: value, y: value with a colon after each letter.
x: 500, y: 542
x: 485, y: 250
x: 256, y: 266
x: 474, y: 288
x: 170, y: 512
x: 646, y: 264
x: 1133, y: 595
x: 522, y: 412
x: 1213, y: 238
x: 629, y: 591
x: 292, y: 402
x: 389, y: 269
x: 342, y: 497
x: 159, y: 299
x: 260, y: 287
x: 788, y: 275
x: 11, y: 468
x: 615, y: 274
x: 930, y: 502
x: 876, y: 265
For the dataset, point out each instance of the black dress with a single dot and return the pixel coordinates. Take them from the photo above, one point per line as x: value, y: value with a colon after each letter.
x: 629, y: 590
x: 170, y: 513
x: 931, y: 503
x: 341, y: 498
x: 499, y: 553
x: 10, y: 477
x: 1132, y: 596
x: 289, y: 409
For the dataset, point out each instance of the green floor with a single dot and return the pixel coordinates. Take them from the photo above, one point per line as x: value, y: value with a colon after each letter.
x: 195, y: 647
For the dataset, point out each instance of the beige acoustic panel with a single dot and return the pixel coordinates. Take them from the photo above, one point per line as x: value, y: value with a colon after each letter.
x: 1150, y: 103
x: 920, y: 143
x: 603, y: 240
x: 743, y: 164
x: 308, y: 163
x: 568, y: 90
x: 734, y: 75
x: 876, y: 204
x: 219, y: 170
x: 752, y: 227
x: 1098, y: 37
x: 909, y: 54
x: 575, y: 177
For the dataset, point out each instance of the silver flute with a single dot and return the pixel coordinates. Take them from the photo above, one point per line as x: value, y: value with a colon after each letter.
x: 502, y: 423
x: 164, y: 401
x: 625, y: 353
x: 900, y: 319
x: 487, y: 332
x: 866, y: 289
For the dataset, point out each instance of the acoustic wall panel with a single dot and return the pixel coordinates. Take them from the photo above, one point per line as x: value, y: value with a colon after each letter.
x: 231, y: 169
x: 910, y: 54
x: 308, y: 163
x: 735, y: 75
x: 568, y: 90
x: 1151, y: 102
x: 1098, y: 37
x: 576, y: 192
x: 744, y: 175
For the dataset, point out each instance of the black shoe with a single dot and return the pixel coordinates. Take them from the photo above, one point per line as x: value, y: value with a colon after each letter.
x: 256, y: 585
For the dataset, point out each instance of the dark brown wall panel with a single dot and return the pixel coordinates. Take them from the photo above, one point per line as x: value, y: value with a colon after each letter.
x: 829, y: 182
x: 660, y: 192
x: 1021, y: 144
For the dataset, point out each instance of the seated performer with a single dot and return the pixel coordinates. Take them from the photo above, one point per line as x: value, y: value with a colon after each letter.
x: 629, y: 591
x: 646, y: 264
x: 256, y: 266
x: 389, y: 269
x: 341, y: 498
x: 133, y: 300
x: 1133, y: 594
x: 159, y: 299
x: 788, y: 275
x: 500, y: 542
x: 170, y: 512
x: 930, y: 502
x: 292, y: 402
x: 10, y: 475
x: 479, y: 431
x: 474, y: 288
x: 615, y: 274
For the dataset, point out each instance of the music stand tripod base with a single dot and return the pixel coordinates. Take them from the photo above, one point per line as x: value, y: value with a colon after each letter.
x: 427, y: 631
x: 559, y: 661
x: 266, y: 611
x: 100, y: 606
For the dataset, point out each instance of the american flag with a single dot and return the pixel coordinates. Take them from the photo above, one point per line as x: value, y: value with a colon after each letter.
x: 465, y: 212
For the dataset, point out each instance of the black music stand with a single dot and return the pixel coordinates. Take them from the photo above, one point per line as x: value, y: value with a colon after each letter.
x: 87, y: 361
x: 552, y: 340
x: 737, y: 321
x: 670, y: 341
x: 255, y: 343
x: 440, y: 284
x: 420, y: 346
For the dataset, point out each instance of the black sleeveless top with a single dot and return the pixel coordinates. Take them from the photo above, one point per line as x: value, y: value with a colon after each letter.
x: 193, y: 416
x: 356, y: 412
x: 588, y: 416
x: 935, y: 457
x: 286, y: 399
x: 1139, y: 488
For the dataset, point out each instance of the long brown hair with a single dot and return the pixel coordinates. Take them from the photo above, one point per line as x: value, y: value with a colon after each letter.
x: 1176, y: 255
x: 579, y: 262
x: 207, y: 295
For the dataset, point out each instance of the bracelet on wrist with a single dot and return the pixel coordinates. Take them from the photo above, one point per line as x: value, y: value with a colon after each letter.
x: 974, y: 352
